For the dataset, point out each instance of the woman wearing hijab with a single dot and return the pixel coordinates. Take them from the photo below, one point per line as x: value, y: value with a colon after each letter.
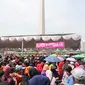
x: 33, y: 72
x: 39, y: 80
x: 67, y: 73
x: 3, y: 80
x: 36, y: 78
x: 27, y: 67
x: 45, y: 68
x: 40, y: 66
x: 78, y: 75
x: 55, y: 72
x: 52, y: 79
x: 6, y: 70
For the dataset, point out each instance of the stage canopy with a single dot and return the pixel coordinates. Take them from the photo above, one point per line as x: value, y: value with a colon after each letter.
x: 30, y: 40
x: 55, y: 37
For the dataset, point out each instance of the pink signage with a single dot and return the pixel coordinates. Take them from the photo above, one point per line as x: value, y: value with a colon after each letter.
x: 50, y: 45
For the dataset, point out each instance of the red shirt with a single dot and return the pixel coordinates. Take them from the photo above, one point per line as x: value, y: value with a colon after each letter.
x: 60, y: 70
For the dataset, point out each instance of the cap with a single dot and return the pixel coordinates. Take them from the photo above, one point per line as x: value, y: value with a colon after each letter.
x: 78, y: 73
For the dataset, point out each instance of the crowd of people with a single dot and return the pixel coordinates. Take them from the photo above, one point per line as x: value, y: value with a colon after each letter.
x: 30, y: 71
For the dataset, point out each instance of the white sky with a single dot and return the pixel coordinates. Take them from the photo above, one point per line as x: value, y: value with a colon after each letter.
x: 21, y: 17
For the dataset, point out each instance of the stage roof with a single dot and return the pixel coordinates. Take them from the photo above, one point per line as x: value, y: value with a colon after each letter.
x: 63, y: 34
x: 46, y: 37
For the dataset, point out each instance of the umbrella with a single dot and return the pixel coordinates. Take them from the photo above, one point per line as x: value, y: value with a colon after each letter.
x: 52, y: 59
x: 53, y: 55
x: 71, y: 59
x: 60, y: 58
x: 79, y: 56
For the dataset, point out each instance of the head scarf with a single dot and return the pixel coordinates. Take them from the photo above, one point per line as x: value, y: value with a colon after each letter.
x: 50, y: 76
x: 26, y: 71
x: 40, y: 66
x: 46, y: 67
x: 78, y: 73
x: 6, y: 70
x: 39, y: 80
x: 33, y: 72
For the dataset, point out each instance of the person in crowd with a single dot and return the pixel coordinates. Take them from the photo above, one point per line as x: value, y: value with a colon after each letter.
x: 33, y: 71
x: 1, y: 67
x: 5, y: 83
x: 36, y: 78
x: 55, y: 72
x: 60, y: 69
x: 50, y: 65
x: 11, y: 78
x: 40, y: 66
x: 24, y: 71
x: 52, y: 79
x: 6, y: 70
x: 65, y: 64
x: 69, y: 81
x: 72, y: 65
x: 78, y: 62
x: 2, y: 77
x: 1, y: 58
x: 45, y: 68
x: 18, y: 74
x: 27, y: 67
x: 78, y: 76
x: 19, y: 66
x: 82, y: 65
x: 39, y: 80
x: 67, y: 73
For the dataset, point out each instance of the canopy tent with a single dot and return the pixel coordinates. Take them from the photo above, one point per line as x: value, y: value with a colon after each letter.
x: 53, y: 37
x: 29, y: 41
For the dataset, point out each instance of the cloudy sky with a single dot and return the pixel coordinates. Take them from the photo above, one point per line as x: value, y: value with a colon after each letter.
x: 21, y: 17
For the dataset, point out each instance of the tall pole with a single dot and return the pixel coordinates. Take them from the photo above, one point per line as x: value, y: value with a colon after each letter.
x: 42, y: 18
x: 22, y: 46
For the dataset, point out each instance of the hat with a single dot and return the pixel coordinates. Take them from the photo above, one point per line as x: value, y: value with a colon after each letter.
x: 78, y: 73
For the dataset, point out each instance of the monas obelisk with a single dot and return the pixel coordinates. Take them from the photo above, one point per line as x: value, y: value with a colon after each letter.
x: 42, y: 18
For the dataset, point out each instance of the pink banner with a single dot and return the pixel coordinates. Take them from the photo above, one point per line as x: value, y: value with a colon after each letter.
x: 50, y: 45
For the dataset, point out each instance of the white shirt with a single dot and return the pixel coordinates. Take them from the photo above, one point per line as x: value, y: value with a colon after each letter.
x: 79, y: 84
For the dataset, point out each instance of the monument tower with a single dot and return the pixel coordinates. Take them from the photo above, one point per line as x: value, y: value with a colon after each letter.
x: 42, y: 18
